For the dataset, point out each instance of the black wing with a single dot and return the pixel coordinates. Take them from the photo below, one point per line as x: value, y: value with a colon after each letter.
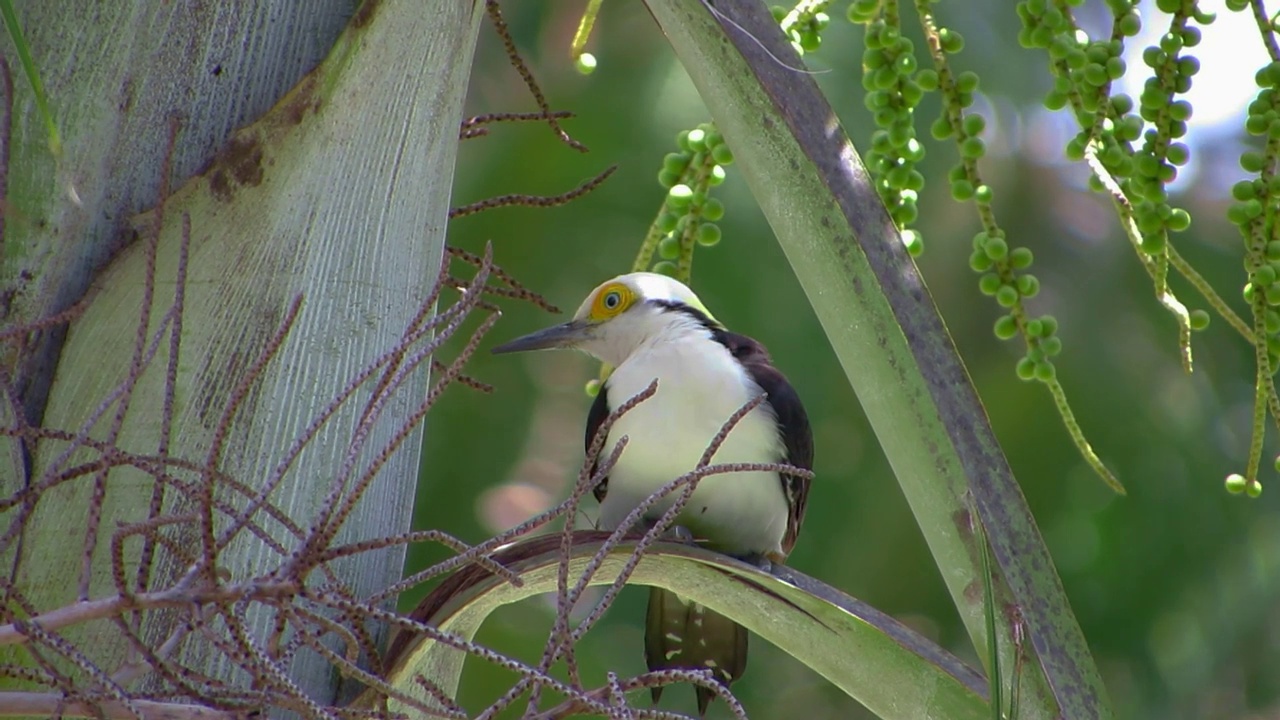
x: 595, y: 418
x: 793, y: 423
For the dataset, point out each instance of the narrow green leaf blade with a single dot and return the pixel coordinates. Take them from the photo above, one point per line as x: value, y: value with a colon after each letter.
x: 867, y: 654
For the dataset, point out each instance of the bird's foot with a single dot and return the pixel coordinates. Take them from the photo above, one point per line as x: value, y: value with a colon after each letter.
x: 680, y: 534
x: 675, y: 533
x: 765, y: 561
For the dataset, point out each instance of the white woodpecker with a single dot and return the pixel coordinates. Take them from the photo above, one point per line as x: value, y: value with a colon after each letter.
x: 649, y: 326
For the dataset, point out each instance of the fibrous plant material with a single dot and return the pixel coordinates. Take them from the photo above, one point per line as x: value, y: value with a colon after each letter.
x: 202, y: 510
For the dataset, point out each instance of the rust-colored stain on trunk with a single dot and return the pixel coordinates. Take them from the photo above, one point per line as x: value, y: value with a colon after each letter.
x: 365, y: 13
x: 239, y: 163
x: 300, y: 101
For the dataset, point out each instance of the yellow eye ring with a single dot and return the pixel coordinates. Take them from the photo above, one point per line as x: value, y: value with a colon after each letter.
x: 611, y: 300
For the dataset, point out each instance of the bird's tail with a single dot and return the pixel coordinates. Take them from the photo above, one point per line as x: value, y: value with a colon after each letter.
x: 681, y: 634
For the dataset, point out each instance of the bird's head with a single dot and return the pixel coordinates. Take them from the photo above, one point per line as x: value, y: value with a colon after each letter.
x: 621, y: 316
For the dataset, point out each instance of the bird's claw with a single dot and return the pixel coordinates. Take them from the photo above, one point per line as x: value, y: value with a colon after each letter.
x: 680, y: 534
x: 762, y: 561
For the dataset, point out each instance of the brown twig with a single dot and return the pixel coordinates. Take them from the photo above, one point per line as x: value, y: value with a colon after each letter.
x: 513, y: 55
x: 533, y: 200
x: 209, y: 545
x: 166, y: 416
x: 514, y: 289
x: 473, y: 127
x: 138, y: 364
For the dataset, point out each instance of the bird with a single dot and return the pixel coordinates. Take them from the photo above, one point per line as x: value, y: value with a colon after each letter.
x: 650, y: 326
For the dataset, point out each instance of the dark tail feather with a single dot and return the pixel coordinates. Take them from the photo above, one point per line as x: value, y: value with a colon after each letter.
x: 685, y: 635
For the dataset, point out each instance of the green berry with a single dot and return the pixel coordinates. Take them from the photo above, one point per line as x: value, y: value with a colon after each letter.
x: 1253, y: 489
x: 905, y: 213
x: 1006, y: 327
x: 1020, y: 258
x: 979, y: 261
x: 967, y: 82
x: 697, y: 140
x: 911, y: 92
x: 952, y: 42
x: 1153, y: 243
x: 913, y: 241
x: 1235, y: 483
x: 1095, y: 75
x: 679, y: 195
x: 708, y: 234
x: 1026, y: 369
x: 1130, y: 24
x: 667, y: 222
x: 989, y: 283
x: 996, y: 248
x: 722, y: 154
x: 669, y: 248
x: 675, y: 162
x: 1045, y: 371
x: 666, y: 268
x: 586, y: 63
x: 1199, y: 319
x: 1007, y: 296
x: 1028, y: 286
x: 713, y: 210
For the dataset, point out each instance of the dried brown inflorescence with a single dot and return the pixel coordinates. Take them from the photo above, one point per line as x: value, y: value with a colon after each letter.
x: 197, y: 511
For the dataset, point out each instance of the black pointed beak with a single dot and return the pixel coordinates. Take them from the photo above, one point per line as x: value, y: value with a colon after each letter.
x: 566, y: 335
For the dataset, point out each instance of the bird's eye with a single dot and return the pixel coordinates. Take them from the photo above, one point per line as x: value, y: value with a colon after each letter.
x: 610, y: 301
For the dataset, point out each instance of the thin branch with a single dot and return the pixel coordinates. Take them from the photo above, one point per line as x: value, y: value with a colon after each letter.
x: 543, y: 201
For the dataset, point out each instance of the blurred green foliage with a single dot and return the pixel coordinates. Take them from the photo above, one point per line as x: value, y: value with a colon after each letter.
x: 1177, y: 585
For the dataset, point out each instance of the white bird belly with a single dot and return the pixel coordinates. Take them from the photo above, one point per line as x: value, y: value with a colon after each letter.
x: 744, y: 512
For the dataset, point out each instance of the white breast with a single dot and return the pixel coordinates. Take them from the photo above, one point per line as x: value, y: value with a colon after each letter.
x: 700, y: 385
